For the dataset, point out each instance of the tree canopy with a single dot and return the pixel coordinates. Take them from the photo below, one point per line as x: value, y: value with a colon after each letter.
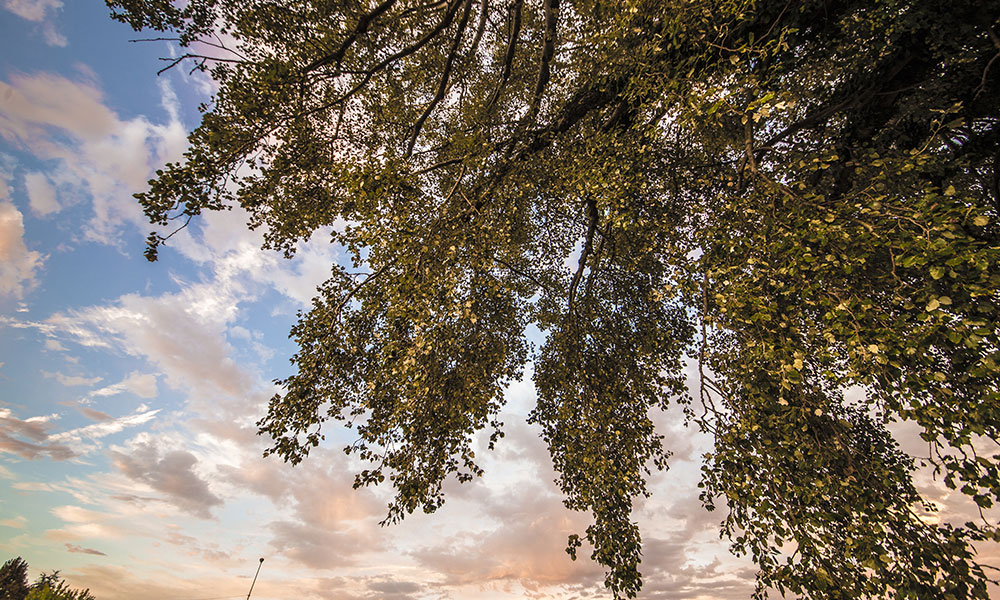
x: 14, y: 579
x: 799, y: 196
x: 48, y: 586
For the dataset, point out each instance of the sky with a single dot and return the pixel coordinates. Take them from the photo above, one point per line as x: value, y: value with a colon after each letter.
x: 129, y: 390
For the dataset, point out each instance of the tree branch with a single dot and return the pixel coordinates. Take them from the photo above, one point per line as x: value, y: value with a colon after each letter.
x: 588, y: 243
x: 445, y: 22
x: 483, y: 10
x: 445, y: 75
x: 508, y: 60
x: 362, y: 26
x: 551, y: 9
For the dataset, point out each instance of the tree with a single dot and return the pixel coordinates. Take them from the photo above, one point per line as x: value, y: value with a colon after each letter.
x: 14, y: 579
x: 50, y: 586
x: 799, y: 195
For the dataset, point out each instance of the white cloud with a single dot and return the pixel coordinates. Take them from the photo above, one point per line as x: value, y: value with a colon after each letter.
x: 140, y: 384
x: 54, y: 346
x: 181, y: 334
x: 39, y: 11
x: 32, y: 10
x: 82, y: 439
x: 66, y: 121
x: 70, y: 380
x: 234, y: 252
x: 41, y: 194
x: 17, y: 263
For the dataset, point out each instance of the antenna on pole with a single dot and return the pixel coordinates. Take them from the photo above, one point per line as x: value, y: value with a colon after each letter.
x: 255, y: 578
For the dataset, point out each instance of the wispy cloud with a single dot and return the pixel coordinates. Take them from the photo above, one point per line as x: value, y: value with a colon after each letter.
x: 83, y: 439
x: 140, y: 384
x: 42, y: 12
x: 18, y: 522
x: 29, y: 438
x: 70, y: 380
x: 82, y: 550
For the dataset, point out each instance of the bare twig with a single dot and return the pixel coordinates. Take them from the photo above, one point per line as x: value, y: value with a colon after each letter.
x: 201, y: 57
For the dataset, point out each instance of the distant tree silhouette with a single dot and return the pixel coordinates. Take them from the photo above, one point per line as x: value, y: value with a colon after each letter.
x: 49, y: 586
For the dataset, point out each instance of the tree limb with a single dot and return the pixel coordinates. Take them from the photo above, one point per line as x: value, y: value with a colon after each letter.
x: 508, y: 60
x: 362, y: 26
x: 551, y: 9
x: 588, y: 243
x: 443, y: 85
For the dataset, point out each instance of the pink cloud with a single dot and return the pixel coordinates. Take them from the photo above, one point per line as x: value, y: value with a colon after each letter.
x: 64, y: 120
x: 82, y: 550
x: 15, y: 435
x: 17, y: 263
x: 172, y: 474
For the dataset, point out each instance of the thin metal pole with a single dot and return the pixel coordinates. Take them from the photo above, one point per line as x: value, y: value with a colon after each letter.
x: 255, y: 578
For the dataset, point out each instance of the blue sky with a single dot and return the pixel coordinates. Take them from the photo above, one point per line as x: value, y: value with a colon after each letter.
x: 129, y: 458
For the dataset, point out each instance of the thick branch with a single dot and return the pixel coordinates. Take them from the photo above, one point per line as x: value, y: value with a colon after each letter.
x: 445, y: 22
x: 551, y: 8
x: 588, y: 243
x: 508, y: 60
x: 443, y: 85
x: 362, y: 26
x: 483, y: 10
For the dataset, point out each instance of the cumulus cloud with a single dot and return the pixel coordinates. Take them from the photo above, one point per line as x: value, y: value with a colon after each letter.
x: 503, y: 553
x: 330, y: 523
x: 171, y: 473
x: 41, y: 194
x: 224, y: 242
x: 39, y: 11
x: 182, y: 334
x: 17, y: 263
x: 320, y: 548
x: 66, y: 121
